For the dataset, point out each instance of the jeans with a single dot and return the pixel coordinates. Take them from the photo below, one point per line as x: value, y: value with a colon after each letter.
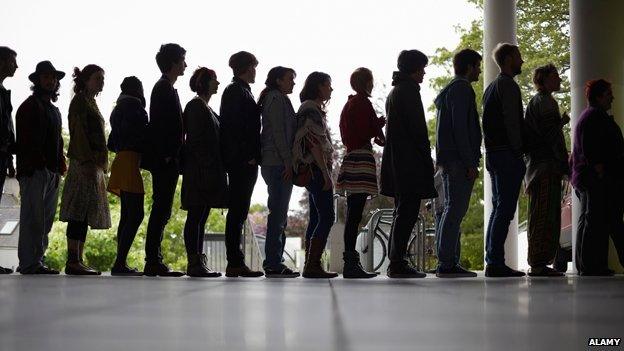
x: 601, y: 216
x: 457, y: 190
x: 39, y: 196
x: 279, y: 199
x: 242, y: 180
x: 129, y: 223
x: 321, y: 202
x: 406, y: 210
x: 164, y: 182
x: 506, y: 171
x: 194, y: 228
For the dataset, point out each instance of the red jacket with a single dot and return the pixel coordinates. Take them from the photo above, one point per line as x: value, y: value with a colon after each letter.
x: 359, y: 123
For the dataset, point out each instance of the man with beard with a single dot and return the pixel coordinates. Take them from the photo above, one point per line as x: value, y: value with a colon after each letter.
x: 40, y: 164
x: 502, y: 129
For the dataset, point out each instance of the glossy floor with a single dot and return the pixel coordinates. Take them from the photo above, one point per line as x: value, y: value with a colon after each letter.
x: 111, y: 313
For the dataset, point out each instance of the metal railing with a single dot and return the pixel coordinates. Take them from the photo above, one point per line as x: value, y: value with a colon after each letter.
x: 214, y: 248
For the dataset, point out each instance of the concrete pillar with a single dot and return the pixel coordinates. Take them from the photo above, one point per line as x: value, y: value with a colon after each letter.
x: 499, y: 25
x: 597, y: 51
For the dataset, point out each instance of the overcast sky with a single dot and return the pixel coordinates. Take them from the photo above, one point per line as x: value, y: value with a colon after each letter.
x: 323, y: 35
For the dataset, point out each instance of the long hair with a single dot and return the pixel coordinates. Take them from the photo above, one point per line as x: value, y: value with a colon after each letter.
x: 81, y: 77
x: 275, y: 73
x: 310, y: 89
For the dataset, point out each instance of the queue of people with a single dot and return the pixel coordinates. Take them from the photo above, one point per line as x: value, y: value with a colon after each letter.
x: 218, y: 156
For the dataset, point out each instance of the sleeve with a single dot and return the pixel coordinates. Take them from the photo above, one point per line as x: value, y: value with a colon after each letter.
x: 511, y: 102
x: 231, y: 124
x: 196, y: 136
x: 370, y: 120
x: 163, y: 107
x: 593, y: 148
x: 274, y: 112
x: 413, y: 115
x: 459, y: 106
x: 30, y: 133
x: 78, y: 132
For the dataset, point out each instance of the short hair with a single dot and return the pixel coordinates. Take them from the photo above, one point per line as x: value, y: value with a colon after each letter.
x: 241, y: 61
x: 502, y: 51
x: 82, y: 76
x: 167, y: 55
x: 132, y: 86
x: 6, y: 53
x: 200, y: 80
x: 465, y: 58
x: 541, y: 73
x: 595, y: 88
x: 410, y: 61
x: 360, y: 79
x: 310, y: 89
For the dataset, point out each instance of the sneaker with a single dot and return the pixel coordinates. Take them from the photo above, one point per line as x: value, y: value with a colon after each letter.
x: 404, y: 270
x: 544, y: 271
x: 502, y: 271
x: 5, y: 270
x: 283, y: 272
x: 455, y: 272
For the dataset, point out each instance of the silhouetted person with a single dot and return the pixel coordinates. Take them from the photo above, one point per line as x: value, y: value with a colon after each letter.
x: 165, y: 138
x: 406, y: 167
x: 547, y: 164
x: 40, y: 164
x: 313, y: 152
x: 598, y: 176
x: 84, y: 202
x: 358, y: 172
x: 204, y: 181
x: 502, y: 129
x: 278, y: 132
x: 240, y: 139
x: 8, y: 65
x: 127, y: 140
x: 458, y: 149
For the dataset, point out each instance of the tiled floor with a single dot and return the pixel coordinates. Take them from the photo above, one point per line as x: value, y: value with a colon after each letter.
x: 110, y: 313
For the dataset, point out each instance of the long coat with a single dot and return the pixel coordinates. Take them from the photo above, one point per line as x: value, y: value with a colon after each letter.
x: 204, y: 181
x: 406, y: 167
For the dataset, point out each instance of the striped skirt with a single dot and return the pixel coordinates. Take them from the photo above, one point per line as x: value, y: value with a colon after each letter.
x: 358, y: 173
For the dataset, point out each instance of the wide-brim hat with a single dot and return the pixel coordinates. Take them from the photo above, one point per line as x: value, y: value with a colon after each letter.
x: 45, y: 67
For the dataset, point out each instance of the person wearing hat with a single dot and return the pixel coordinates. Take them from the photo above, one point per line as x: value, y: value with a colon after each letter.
x: 40, y: 165
x: 8, y: 65
x: 406, y: 167
x: 127, y: 140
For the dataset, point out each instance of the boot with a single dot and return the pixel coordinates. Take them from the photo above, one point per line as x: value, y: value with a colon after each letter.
x: 352, y: 266
x: 197, y: 267
x: 313, y: 268
x: 74, y: 265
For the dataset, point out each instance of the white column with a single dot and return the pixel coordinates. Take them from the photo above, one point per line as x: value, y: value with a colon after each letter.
x: 499, y: 25
x: 597, y: 51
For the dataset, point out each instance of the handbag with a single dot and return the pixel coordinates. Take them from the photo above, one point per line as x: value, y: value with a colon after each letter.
x: 303, y: 175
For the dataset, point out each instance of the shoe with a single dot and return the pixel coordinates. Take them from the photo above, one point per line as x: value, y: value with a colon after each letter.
x: 605, y: 272
x: 75, y: 264
x: 159, y: 269
x: 502, y: 271
x: 125, y: 271
x: 455, y: 272
x: 241, y: 271
x: 313, y: 268
x: 403, y: 270
x: 544, y: 271
x: 283, y: 272
x: 197, y: 267
x: 353, y: 267
x: 41, y: 270
x: 5, y: 270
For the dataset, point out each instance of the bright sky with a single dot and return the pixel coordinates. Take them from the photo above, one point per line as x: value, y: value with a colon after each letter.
x: 323, y: 35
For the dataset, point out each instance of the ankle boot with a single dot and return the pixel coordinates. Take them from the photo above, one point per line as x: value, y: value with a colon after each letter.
x: 74, y: 265
x: 352, y: 266
x: 196, y: 267
x: 313, y: 268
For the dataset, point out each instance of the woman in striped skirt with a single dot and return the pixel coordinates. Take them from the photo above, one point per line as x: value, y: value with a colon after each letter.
x: 358, y: 174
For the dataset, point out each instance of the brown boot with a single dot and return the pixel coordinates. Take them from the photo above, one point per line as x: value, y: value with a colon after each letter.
x: 74, y: 265
x: 313, y: 268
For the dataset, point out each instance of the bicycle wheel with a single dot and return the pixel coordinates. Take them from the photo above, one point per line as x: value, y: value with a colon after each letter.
x: 380, y: 250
